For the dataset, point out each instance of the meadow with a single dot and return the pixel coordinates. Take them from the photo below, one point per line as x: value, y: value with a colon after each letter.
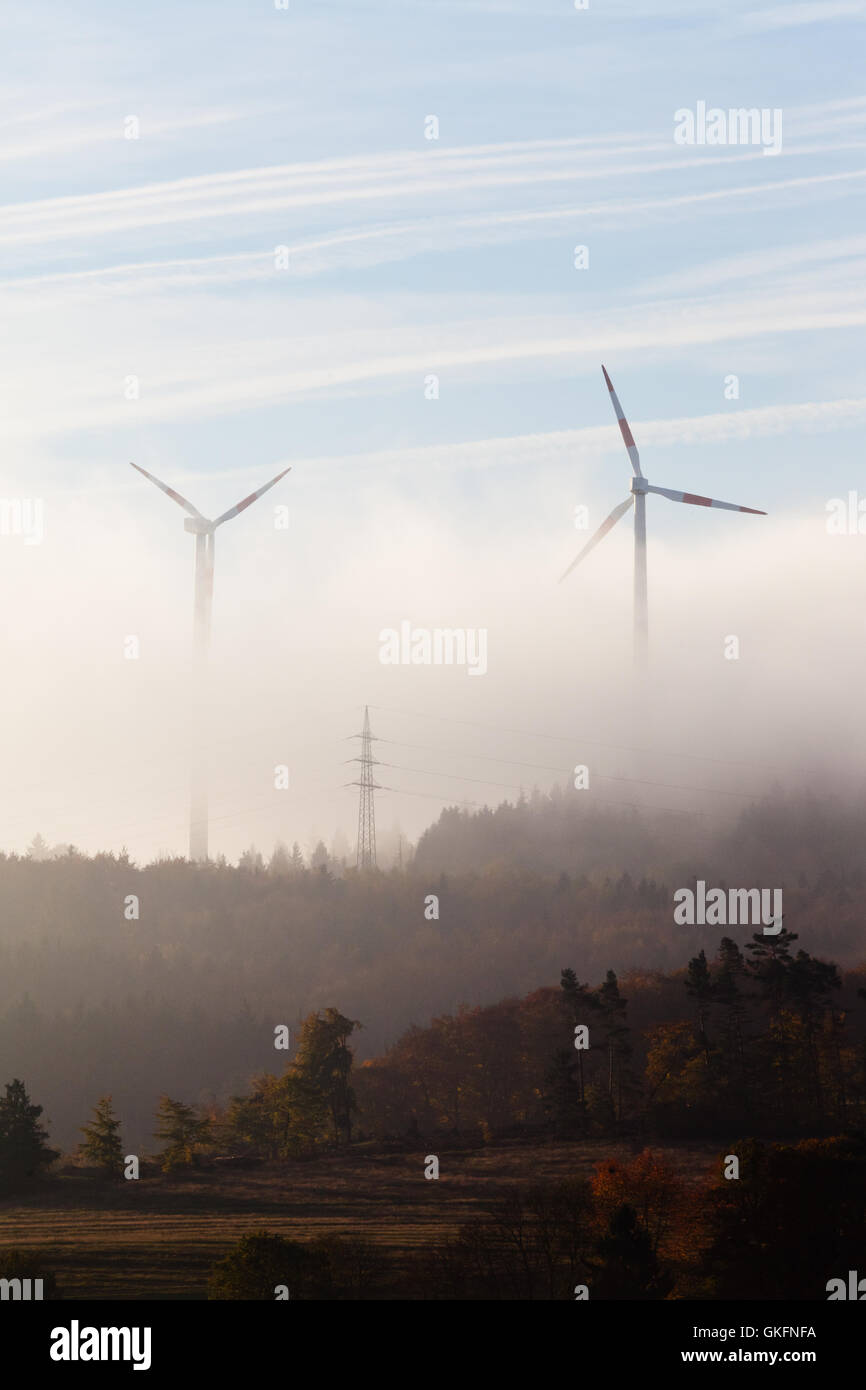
x: 158, y: 1237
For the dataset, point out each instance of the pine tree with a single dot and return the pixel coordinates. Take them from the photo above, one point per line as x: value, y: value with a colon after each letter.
x: 581, y: 1004
x: 320, y: 859
x: 24, y: 1149
x: 280, y: 861
x: 730, y: 997
x: 562, y: 1098
x: 182, y: 1131
x: 102, y: 1145
x: 699, y: 987
x: 809, y: 986
x: 619, y: 1050
x: 770, y: 967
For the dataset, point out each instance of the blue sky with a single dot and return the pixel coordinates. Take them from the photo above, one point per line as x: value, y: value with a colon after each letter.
x: 305, y: 128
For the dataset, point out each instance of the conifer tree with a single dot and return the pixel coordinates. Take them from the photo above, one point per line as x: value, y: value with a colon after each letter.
x: 613, y: 1007
x: 581, y: 1004
x: 699, y: 987
x: 182, y: 1131
x: 102, y: 1145
x: 24, y: 1149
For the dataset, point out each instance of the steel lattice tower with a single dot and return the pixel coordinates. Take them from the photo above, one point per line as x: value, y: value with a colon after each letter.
x: 366, y: 857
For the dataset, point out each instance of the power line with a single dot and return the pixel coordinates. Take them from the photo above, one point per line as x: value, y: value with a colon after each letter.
x: 596, y: 801
x: 572, y: 738
x: 564, y: 772
x: 511, y: 786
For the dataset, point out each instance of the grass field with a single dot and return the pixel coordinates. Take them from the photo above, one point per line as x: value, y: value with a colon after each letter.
x: 158, y: 1237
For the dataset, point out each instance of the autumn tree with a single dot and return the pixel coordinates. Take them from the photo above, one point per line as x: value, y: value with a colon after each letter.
x: 322, y: 1069
x: 679, y: 1096
x: 329, y: 1267
x: 533, y: 1243
x: 793, y: 1219
x: 627, y: 1267
x: 102, y: 1145
x: 182, y: 1131
x: 649, y: 1184
x: 262, y: 1262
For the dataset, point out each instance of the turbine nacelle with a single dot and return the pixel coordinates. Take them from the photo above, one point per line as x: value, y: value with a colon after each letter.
x: 640, y: 489
x: 199, y: 526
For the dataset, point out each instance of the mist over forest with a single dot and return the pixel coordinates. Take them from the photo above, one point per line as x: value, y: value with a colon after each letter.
x: 184, y: 998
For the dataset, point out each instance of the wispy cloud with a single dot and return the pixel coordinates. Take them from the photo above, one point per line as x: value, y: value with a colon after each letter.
x: 336, y: 348
x: 809, y: 12
x: 561, y: 448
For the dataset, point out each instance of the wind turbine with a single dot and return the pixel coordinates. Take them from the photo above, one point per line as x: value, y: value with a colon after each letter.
x: 639, y: 489
x: 203, y: 530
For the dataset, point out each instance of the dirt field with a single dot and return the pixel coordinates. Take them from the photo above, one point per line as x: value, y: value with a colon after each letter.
x: 158, y: 1237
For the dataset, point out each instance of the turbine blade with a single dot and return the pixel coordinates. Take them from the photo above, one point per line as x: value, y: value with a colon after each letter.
x: 694, y: 500
x: 624, y: 427
x: 170, y: 492
x: 241, y: 506
x: 600, y: 534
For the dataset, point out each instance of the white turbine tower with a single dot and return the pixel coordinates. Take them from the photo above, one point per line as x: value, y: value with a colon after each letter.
x: 203, y: 530
x: 639, y: 489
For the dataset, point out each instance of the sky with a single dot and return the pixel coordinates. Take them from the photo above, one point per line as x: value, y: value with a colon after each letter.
x: 228, y: 246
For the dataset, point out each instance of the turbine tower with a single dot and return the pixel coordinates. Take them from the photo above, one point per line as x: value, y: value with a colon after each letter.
x: 639, y: 489
x: 203, y: 530
x: 366, y: 855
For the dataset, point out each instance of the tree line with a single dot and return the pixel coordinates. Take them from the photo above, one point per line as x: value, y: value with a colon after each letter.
x: 170, y: 977
x: 767, y: 1041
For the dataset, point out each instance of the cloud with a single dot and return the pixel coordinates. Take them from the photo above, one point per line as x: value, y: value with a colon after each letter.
x: 393, y: 178
x: 334, y: 346
x: 793, y: 16
x: 561, y: 447
x: 773, y: 261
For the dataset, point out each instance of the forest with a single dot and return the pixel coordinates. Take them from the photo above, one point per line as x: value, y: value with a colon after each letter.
x: 168, y: 978
x: 769, y: 1042
x: 762, y: 1050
